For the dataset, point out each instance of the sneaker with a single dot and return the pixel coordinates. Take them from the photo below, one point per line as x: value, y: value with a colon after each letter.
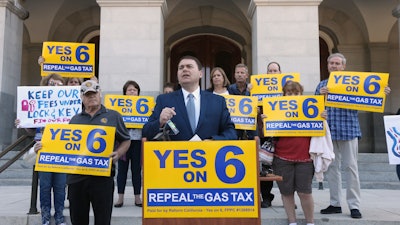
x: 331, y: 210
x: 62, y: 224
x: 355, y: 214
x: 46, y: 223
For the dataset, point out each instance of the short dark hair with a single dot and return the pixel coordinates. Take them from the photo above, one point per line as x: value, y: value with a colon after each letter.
x: 169, y: 85
x: 242, y: 65
x: 128, y: 83
x: 279, y: 66
x: 192, y: 58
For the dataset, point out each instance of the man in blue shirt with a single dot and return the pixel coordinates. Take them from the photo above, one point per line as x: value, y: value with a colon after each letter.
x: 345, y: 132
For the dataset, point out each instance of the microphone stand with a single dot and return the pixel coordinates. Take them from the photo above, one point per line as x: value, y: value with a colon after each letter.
x: 164, y: 134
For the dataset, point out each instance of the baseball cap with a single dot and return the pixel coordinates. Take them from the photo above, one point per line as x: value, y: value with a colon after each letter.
x: 89, y: 85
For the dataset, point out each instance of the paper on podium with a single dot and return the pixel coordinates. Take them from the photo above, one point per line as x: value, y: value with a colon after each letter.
x: 195, y: 138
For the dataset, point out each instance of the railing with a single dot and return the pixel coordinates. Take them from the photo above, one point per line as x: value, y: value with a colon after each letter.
x: 20, y: 153
x: 34, y: 188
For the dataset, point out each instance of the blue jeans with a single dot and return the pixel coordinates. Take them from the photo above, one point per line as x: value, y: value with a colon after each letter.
x: 57, y: 181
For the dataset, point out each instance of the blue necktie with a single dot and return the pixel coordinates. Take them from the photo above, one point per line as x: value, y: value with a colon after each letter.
x: 191, y: 112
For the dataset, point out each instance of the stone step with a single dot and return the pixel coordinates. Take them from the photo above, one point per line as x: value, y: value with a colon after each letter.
x: 373, y: 157
x: 364, y: 185
x: 374, y: 168
x: 17, y: 173
x: 15, y: 181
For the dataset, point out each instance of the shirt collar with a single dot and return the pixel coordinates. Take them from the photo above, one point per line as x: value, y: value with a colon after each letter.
x: 195, y: 93
x: 101, y: 110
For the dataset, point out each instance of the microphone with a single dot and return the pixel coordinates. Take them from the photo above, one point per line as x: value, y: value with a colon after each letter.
x: 173, y: 127
x: 164, y: 134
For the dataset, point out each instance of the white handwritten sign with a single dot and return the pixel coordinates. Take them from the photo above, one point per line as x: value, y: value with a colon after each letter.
x: 41, y: 105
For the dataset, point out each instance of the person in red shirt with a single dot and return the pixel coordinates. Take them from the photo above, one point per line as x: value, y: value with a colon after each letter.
x: 292, y: 162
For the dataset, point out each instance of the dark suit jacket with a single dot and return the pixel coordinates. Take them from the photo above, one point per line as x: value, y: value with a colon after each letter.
x: 214, y: 120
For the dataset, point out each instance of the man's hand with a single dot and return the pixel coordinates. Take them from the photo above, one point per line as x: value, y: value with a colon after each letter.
x: 324, y: 114
x: 37, y: 146
x: 166, y: 114
x: 324, y: 90
x: 120, y: 151
x: 115, y: 156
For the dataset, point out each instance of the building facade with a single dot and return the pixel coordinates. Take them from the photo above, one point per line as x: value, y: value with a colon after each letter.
x: 142, y: 41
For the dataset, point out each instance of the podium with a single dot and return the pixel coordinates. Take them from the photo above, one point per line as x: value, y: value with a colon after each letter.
x: 163, y: 178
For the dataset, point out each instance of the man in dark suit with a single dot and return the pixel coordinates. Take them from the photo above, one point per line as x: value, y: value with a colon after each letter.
x: 211, y: 118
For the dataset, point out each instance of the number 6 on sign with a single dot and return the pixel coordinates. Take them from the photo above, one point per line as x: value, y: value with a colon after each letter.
x: 68, y: 59
x: 76, y: 149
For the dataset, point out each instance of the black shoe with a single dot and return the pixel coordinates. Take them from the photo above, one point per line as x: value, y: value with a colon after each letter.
x: 271, y: 197
x: 265, y: 204
x: 138, y: 204
x: 119, y: 205
x: 332, y: 209
x: 355, y: 213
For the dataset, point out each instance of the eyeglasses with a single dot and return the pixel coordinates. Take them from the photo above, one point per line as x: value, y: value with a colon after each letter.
x: 55, y: 83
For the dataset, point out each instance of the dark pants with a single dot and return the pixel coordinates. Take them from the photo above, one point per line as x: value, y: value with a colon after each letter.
x: 266, y: 187
x: 398, y: 171
x: 99, y: 192
x: 134, y: 156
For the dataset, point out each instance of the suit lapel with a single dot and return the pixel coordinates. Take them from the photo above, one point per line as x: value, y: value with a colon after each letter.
x: 180, y: 108
x: 203, y: 108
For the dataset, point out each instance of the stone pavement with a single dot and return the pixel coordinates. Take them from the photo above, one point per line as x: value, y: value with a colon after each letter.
x: 378, y: 206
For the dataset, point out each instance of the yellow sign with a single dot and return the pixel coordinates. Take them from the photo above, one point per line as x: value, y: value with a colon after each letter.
x: 357, y: 90
x: 294, y: 116
x: 243, y: 111
x: 76, y: 149
x: 135, y: 110
x: 209, y: 179
x: 270, y: 85
x: 68, y: 59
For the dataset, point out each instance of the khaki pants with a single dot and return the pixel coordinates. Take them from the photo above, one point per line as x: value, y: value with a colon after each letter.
x: 346, y: 154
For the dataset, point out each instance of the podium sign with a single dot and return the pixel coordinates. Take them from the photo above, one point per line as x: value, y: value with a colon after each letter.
x: 191, y: 181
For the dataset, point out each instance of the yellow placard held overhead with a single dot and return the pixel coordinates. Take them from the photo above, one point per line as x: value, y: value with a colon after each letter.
x: 270, y: 85
x: 68, y: 59
x: 294, y: 116
x: 135, y: 110
x: 209, y: 179
x: 76, y: 149
x: 357, y: 90
x: 243, y: 111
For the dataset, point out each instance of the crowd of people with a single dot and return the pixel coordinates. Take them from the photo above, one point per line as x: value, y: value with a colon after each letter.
x: 203, y: 114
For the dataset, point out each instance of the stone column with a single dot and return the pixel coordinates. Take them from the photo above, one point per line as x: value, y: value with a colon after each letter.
x: 396, y: 13
x: 11, y: 29
x: 395, y: 77
x: 131, y: 44
x: 286, y: 31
